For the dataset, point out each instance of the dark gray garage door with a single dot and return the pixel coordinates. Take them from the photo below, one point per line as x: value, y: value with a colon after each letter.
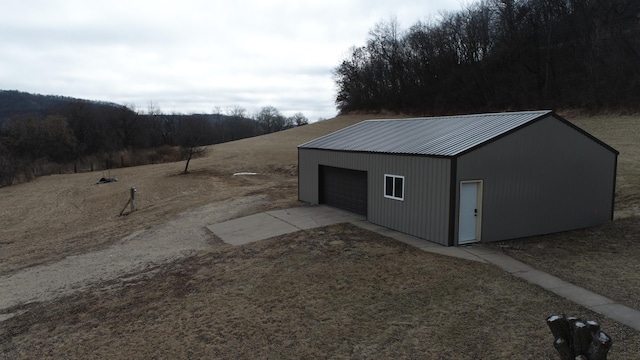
x: 344, y: 188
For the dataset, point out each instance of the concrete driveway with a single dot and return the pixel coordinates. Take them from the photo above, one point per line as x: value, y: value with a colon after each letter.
x: 279, y: 222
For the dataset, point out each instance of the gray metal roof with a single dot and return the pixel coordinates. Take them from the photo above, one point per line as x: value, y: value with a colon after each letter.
x: 435, y: 136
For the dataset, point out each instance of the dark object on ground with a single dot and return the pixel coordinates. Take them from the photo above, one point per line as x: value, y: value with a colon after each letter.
x: 577, y: 339
x: 106, y: 180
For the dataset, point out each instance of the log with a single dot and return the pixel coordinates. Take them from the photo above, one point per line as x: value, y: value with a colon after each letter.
x: 581, y: 338
x: 563, y: 348
x: 571, y: 320
x: 599, y: 347
x: 594, y: 326
x: 559, y: 326
x: 577, y: 339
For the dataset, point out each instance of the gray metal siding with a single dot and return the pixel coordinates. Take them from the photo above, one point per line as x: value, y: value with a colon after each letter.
x: 425, y: 210
x: 308, y: 184
x: 544, y: 178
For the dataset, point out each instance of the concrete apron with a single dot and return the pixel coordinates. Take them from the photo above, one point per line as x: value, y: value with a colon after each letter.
x: 279, y: 222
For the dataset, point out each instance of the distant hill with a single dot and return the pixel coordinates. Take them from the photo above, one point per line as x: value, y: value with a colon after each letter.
x: 13, y: 102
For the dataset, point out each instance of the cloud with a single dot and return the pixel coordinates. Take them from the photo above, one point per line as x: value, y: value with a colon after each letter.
x: 192, y: 55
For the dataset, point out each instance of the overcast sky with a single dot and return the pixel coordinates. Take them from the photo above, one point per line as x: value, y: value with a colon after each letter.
x: 190, y: 56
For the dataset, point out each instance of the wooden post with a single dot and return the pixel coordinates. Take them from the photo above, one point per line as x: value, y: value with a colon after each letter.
x: 563, y: 348
x: 594, y: 326
x: 581, y: 337
x: 600, y: 345
x: 125, y: 206
x: 133, y: 199
x: 559, y: 326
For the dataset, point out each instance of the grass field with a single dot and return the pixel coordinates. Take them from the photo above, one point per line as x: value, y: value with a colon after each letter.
x: 338, y: 292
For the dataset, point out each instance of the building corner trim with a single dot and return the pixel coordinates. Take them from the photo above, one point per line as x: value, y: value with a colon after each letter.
x: 452, y: 201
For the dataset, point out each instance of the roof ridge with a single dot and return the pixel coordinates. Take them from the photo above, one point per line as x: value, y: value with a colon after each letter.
x: 463, y: 115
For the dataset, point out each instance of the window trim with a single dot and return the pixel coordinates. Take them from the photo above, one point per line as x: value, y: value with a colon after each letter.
x: 393, y: 190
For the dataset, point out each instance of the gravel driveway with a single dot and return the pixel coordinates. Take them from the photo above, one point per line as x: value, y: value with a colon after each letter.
x: 143, y: 250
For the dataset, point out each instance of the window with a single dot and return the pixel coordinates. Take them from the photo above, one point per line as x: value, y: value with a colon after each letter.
x: 394, y: 187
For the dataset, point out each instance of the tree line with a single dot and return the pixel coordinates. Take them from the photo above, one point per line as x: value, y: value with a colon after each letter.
x: 82, y: 135
x: 497, y: 55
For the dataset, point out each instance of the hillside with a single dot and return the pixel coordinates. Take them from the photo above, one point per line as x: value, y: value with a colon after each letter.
x: 495, y: 55
x: 55, y: 216
x: 13, y: 102
x: 338, y: 290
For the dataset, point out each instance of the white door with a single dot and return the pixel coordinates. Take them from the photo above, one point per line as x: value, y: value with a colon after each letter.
x: 469, y: 219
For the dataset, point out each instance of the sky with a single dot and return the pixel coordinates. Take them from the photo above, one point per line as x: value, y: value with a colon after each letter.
x: 193, y: 56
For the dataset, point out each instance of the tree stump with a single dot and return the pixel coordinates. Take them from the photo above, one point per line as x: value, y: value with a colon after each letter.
x: 577, y: 339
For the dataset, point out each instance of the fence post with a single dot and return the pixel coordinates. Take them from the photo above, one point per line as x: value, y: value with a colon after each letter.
x: 133, y: 199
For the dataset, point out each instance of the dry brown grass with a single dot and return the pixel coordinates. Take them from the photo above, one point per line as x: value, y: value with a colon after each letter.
x: 604, y: 259
x: 338, y: 292
x: 60, y: 215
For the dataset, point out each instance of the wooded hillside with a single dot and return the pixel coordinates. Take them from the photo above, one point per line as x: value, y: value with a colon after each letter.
x: 497, y: 55
x: 44, y: 134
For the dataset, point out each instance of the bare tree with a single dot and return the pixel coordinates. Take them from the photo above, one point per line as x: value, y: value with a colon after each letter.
x: 299, y: 119
x: 271, y: 120
x: 193, y: 133
x: 234, y: 128
x: 33, y: 137
x: 236, y: 111
x: 153, y: 108
x: 499, y: 54
x: 125, y: 125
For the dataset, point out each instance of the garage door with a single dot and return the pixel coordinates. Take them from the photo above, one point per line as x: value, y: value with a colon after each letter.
x: 344, y: 188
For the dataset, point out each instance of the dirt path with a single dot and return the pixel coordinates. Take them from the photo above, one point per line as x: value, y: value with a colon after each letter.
x: 180, y: 237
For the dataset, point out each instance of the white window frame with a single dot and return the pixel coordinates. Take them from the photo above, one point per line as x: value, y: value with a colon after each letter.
x: 393, y: 191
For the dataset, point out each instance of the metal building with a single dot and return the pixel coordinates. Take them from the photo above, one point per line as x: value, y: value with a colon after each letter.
x: 462, y: 179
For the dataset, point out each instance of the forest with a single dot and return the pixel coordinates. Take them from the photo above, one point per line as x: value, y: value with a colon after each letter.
x: 497, y: 55
x: 493, y: 55
x: 41, y: 135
